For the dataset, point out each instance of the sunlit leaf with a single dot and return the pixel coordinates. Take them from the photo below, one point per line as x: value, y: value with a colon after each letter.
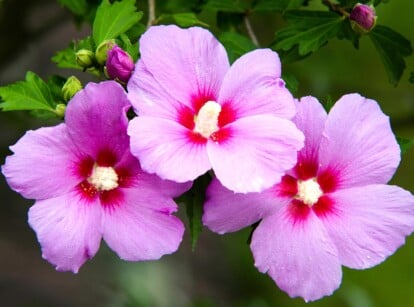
x: 112, y: 20
x: 31, y: 94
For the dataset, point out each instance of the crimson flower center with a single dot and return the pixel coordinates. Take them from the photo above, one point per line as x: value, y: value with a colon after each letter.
x: 309, y: 191
x: 206, y: 121
x: 103, y: 178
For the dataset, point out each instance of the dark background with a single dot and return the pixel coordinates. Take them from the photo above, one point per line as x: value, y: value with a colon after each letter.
x: 220, y: 272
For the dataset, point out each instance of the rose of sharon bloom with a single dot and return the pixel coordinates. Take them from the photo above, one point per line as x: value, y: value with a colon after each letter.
x: 88, y: 186
x: 334, y: 208
x: 197, y: 113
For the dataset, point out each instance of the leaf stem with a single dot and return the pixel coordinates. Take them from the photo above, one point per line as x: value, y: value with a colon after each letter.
x: 151, y: 13
x: 335, y: 8
x: 250, y: 31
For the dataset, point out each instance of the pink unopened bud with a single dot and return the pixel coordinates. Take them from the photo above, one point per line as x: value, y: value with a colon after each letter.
x: 363, y: 18
x: 119, y: 64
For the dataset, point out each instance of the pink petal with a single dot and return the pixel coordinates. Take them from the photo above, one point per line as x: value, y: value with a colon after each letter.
x: 253, y: 86
x: 167, y: 188
x: 370, y: 224
x: 358, y: 143
x: 67, y: 229
x: 299, y: 257
x: 148, y: 97
x: 256, y: 154
x: 187, y: 63
x: 226, y: 211
x: 141, y: 228
x: 96, y: 118
x: 310, y: 119
x: 43, y: 163
x: 164, y: 147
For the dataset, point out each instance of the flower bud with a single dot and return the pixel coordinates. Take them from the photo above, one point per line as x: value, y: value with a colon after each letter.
x: 119, y: 64
x: 101, y: 53
x: 363, y: 18
x: 71, y: 87
x: 84, y: 58
x: 60, y: 110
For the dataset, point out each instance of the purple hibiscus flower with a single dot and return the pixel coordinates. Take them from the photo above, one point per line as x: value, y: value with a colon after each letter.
x: 333, y: 208
x: 88, y: 186
x: 197, y: 113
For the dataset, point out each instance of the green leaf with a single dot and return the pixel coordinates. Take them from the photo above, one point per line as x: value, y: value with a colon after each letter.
x: 182, y: 19
x: 236, y: 44
x: 67, y: 58
x: 411, y: 78
x: 229, y: 21
x: 131, y: 49
x: 194, y: 200
x: 78, y: 7
x: 392, y: 47
x: 278, y: 5
x: 112, y: 20
x: 292, y: 83
x: 55, y: 84
x: 230, y: 6
x: 31, y: 94
x: 405, y: 144
x: 328, y: 103
x: 309, y: 30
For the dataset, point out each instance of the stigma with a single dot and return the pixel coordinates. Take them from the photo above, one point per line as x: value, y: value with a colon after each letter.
x: 103, y: 178
x: 206, y: 121
x: 309, y: 191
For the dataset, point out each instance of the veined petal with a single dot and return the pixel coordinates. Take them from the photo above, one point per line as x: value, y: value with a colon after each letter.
x: 148, y: 97
x: 358, y: 143
x: 68, y: 230
x: 43, y: 164
x: 226, y: 211
x: 256, y: 154
x: 187, y: 63
x: 165, y: 148
x: 299, y: 256
x: 141, y: 228
x: 310, y: 119
x: 370, y: 223
x: 253, y: 86
x: 96, y: 119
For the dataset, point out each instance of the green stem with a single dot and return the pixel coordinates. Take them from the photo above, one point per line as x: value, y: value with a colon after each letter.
x: 335, y: 8
x: 250, y: 31
x: 151, y: 13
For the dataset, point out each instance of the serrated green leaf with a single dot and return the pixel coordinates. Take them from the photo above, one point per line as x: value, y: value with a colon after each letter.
x: 348, y: 33
x: 66, y: 58
x: 230, y: 6
x: 392, y: 48
x: 276, y: 5
x: 236, y: 44
x: 405, y: 144
x: 309, y: 30
x: 131, y: 49
x: 78, y: 7
x: 112, y: 20
x: 182, y: 19
x: 291, y: 55
x: 31, y: 94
